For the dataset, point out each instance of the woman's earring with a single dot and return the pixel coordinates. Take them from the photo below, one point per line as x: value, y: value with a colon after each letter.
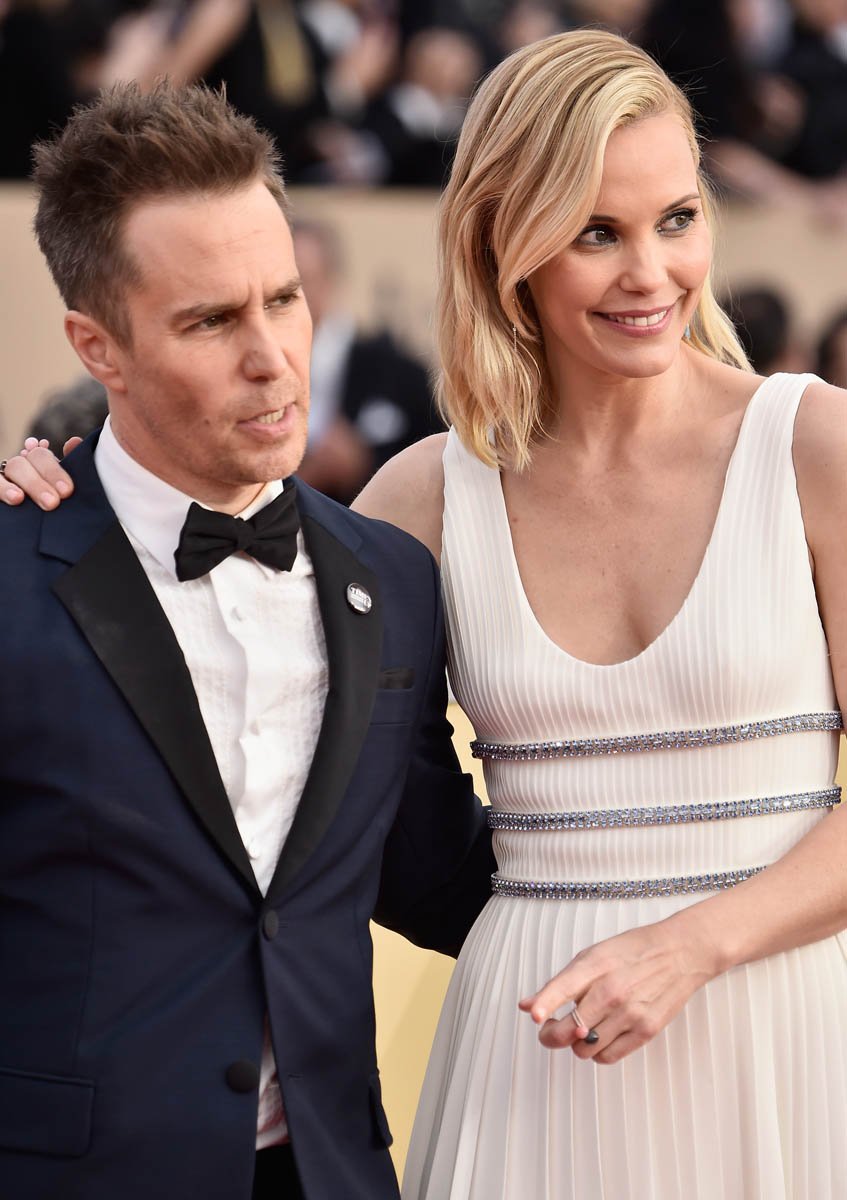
x: 514, y: 337
x: 687, y: 333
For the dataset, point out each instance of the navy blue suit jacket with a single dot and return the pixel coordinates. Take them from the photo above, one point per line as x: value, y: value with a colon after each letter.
x: 137, y: 956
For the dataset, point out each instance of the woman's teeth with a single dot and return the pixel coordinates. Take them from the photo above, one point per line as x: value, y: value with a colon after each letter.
x: 653, y: 319
x: 270, y: 418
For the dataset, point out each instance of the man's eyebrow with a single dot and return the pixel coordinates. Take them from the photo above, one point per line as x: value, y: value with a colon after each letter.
x: 286, y: 289
x: 669, y: 208
x: 196, y: 312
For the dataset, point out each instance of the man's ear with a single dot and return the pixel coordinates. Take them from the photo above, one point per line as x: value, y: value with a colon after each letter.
x: 98, y: 350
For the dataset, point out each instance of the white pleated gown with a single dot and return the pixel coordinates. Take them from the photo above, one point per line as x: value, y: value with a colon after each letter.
x: 744, y: 1095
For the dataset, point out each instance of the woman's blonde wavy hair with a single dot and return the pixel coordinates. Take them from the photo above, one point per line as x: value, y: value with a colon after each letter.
x: 524, y: 182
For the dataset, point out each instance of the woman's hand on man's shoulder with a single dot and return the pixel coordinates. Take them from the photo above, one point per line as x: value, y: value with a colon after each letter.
x: 36, y: 472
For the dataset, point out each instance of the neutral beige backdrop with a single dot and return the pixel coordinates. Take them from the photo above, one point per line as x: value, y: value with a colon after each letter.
x: 389, y: 247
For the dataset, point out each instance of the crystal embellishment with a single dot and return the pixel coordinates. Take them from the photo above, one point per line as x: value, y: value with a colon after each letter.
x: 677, y: 739
x: 620, y: 889
x: 678, y: 814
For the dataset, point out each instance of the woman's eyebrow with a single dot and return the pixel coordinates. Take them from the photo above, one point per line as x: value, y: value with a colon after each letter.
x: 616, y: 220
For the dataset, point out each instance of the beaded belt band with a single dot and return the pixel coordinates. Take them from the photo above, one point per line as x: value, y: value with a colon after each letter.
x: 679, y: 739
x: 621, y: 889
x: 615, y: 818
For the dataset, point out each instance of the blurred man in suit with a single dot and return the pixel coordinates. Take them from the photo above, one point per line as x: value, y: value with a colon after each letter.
x: 370, y: 398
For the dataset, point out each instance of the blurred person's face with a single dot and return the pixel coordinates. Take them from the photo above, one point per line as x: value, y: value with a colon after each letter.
x: 616, y: 301
x: 525, y: 23
x: 823, y: 15
x: 212, y: 393
x: 623, y: 16
x: 444, y: 62
x: 320, y: 284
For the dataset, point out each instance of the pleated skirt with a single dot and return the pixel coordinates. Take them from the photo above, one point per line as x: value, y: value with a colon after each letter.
x: 742, y: 1097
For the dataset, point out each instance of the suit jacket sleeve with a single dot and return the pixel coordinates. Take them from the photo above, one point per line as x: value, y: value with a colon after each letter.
x: 438, y: 860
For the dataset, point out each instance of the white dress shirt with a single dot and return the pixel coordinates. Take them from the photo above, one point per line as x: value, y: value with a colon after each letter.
x: 253, y: 640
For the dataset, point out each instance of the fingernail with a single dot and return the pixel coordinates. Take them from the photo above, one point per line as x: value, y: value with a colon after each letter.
x: 48, y: 499
x: 63, y: 488
x: 13, y: 493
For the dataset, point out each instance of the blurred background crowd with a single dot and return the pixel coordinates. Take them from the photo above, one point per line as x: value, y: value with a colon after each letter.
x: 370, y: 94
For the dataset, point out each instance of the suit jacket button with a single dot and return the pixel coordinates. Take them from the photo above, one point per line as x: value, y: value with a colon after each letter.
x: 270, y: 925
x: 243, y: 1076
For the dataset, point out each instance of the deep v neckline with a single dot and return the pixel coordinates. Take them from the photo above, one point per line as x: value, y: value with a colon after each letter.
x: 690, y: 595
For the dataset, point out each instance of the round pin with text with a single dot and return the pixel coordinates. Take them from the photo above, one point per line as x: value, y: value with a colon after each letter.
x: 359, y: 598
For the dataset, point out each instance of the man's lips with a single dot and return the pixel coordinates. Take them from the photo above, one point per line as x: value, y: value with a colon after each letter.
x: 270, y: 416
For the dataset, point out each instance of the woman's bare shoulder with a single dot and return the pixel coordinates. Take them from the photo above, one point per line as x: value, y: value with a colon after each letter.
x: 820, y: 461
x: 409, y: 492
x: 820, y: 435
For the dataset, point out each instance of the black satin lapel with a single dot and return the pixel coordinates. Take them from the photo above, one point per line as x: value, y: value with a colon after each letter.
x: 110, y: 598
x: 353, y: 643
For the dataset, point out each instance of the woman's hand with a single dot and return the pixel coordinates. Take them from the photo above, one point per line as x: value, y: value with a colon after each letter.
x: 627, y: 988
x: 36, y: 472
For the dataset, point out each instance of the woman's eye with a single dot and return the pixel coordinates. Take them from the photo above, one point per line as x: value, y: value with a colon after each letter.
x: 596, y: 235
x: 679, y: 221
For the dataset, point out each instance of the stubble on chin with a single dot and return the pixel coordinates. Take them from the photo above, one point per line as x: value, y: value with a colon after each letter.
x: 264, y: 464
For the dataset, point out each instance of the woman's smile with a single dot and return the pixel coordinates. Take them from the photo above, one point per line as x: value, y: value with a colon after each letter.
x: 647, y: 323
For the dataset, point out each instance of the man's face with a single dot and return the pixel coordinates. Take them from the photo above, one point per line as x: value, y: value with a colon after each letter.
x: 214, y: 396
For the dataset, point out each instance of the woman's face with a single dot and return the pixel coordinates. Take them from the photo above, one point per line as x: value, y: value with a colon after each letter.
x: 618, y: 298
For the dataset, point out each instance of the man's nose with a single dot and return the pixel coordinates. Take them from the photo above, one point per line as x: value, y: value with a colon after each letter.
x: 264, y: 355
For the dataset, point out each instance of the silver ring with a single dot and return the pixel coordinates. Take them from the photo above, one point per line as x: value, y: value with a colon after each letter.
x: 3, y: 467
x: 592, y: 1036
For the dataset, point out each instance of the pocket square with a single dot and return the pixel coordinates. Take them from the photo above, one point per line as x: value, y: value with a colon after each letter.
x: 396, y: 677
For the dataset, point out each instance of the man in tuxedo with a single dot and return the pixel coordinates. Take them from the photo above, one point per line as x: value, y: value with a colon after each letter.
x: 222, y: 713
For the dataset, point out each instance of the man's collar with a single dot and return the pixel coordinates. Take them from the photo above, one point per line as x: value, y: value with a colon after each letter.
x: 152, y: 511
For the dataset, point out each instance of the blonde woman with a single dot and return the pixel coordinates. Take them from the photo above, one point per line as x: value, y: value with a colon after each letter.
x: 644, y: 567
x: 645, y: 575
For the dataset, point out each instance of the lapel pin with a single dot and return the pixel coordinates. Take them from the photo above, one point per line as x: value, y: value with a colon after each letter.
x: 359, y: 598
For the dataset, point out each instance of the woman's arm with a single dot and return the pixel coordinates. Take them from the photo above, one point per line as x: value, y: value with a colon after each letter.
x: 630, y: 986
x: 409, y: 492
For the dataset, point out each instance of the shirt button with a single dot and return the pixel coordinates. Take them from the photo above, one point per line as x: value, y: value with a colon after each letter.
x: 236, y: 614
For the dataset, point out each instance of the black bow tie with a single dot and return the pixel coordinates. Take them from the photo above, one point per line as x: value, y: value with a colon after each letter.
x: 208, y: 537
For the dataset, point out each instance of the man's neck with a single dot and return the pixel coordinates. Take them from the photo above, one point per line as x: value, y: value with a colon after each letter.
x: 223, y: 497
